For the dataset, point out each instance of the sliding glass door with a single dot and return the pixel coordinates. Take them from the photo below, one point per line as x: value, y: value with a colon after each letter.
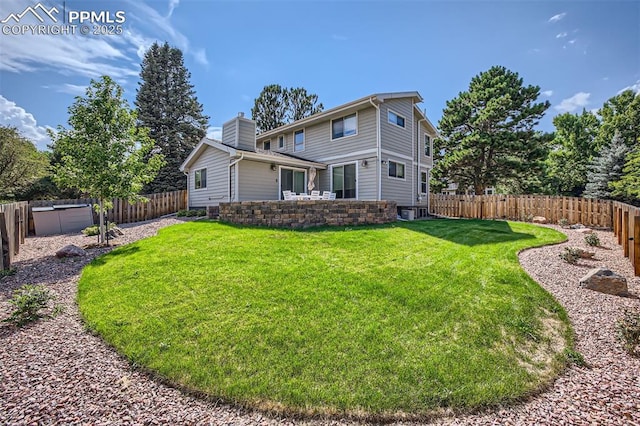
x: 344, y: 180
x: 293, y: 180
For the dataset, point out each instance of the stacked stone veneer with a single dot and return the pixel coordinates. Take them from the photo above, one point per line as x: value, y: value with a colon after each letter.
x: 304, y: 214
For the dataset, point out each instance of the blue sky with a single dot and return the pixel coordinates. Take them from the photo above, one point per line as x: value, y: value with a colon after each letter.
x: 580, y: 53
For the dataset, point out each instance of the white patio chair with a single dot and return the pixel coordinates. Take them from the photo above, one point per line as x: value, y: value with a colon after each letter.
x: 326, y: 195
x: 315, y: 195
x: 288, y: 195
x: 332, y: 196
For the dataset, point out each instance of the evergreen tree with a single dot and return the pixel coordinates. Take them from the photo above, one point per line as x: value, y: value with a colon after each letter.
x: 277, y: 106
x: 627, y: 187
x: 103, y: 154
x: 572, y: 150
x: 168, y: 106
x: 487, y: 132
x: 606, y: 168
x: 270, y: 108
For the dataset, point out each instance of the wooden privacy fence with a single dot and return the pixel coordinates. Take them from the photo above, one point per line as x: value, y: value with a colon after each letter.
x: 13, y: 231
x: 123, y: 211
x: 626, y: 227
x: 589, y: 212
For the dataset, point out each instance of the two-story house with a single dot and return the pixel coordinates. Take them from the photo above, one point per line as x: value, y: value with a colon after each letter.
x: 375, y: 148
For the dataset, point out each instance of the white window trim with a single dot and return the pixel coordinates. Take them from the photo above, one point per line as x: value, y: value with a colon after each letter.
x: 297, y: 169
x: 357, y: 177
x: 426, y: 172
x: 304, y: 140
x: 284, y: 142
x: 389, y: 168
x: 194, y: 180
x: 342, y: 118
x: 426, y: 135
x: 396, y: 123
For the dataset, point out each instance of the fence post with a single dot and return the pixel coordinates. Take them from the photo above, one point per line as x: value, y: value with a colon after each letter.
x: 636, y: 245
x: 625, y: 233
x: 5, y: 250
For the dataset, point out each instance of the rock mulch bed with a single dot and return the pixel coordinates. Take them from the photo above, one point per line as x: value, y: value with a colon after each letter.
x: 55, y: 372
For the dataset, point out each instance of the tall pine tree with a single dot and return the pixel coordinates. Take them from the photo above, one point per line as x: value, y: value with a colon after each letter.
x: 606, y: 168
x: 488, y: 134
x: 277, y: 106
x: 168, y: 106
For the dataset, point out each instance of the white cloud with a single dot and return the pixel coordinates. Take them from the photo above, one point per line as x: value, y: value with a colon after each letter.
x: 556, y: 18
x: 635, y: 87
x: 547, y: 93
x: 214, y: 133
x: 200, y: 56
x: 71, y: 89
x: 573, y: 41
x: 561, y: 35
x: 172, y: 5
x: 579, y: 100
x: 16, y: 116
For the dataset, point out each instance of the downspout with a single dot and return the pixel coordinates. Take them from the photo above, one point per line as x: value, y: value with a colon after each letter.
x: 233, y: 163
x: 419, y: 169
x: 379, y: 148
x: 188, y: 201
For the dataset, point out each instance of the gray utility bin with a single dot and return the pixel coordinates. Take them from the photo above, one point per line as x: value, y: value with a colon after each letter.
x: 62, y: 219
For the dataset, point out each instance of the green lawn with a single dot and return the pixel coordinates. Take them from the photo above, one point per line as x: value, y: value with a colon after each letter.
x: 381, y: 320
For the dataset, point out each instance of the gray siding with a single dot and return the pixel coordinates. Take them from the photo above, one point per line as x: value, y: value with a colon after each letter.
x: 424, y: 160
x: 216, y: 162
x: 229, y: 133
x: 247, y: 134
x: 232, y: 179
x: 398, y: 189
x: 393, y: 137
x: 240, y: 132
x: 366, y: 181
x: 257, y: 181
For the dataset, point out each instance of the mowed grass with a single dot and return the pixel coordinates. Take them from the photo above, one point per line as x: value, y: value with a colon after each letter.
x: 378, y: 321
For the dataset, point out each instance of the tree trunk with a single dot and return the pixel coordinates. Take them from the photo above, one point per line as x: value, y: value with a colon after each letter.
x: 101, y: 222
x: 479, y: 189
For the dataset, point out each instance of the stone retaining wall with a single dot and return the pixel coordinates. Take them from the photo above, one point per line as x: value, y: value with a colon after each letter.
x: 304, y: 214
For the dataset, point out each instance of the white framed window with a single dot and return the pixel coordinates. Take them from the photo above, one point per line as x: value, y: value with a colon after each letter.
x: 396, y: 119
x: 293, y: 179
x: 266, y: 145
x: 424, y: 176
x: 298, y: 140
x: 200, y: 179
x: 427, y: 145
x: 344, y: 180
x: 281, y: 142
x: 345, y: 126
x: 396, y: 169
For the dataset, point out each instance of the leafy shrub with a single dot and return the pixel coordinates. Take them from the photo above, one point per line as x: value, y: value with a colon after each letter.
x: 191, y: 213
x: 93, y: 230
x: 29, y: 301
x: 628, y: 328
x: 570, y: 255
x: 202, y: 212
x: 528, y: 218
x: 592, y: 240
x: 182, y: 213
x: 564, y: 222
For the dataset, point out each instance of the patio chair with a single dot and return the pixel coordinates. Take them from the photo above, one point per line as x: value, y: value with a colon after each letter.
x: 332, y: 196
x: 326, y: 195
x: 288, y: 195
x: 315, y: 195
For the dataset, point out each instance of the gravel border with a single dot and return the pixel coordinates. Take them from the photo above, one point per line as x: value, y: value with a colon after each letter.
x: 55, y: 372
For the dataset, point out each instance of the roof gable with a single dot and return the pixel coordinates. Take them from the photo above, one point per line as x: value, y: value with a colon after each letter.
x: 201, y: 147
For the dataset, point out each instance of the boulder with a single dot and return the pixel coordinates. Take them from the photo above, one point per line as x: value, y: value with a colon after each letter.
x: 577, y: 226
x: 539, y: 219
x: 115, y: 232
x: 605, y: 281
x: 584, y: 231
x: 70, y: 251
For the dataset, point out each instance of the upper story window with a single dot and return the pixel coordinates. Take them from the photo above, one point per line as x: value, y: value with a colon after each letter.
x: 345, y: 126
x: 298, y: 140
x: 266, y: 145
x: 281, y: 142
x: 200, y: 179
x: 396, y: 170
x: 427, y: 145
x: 396, y: 119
